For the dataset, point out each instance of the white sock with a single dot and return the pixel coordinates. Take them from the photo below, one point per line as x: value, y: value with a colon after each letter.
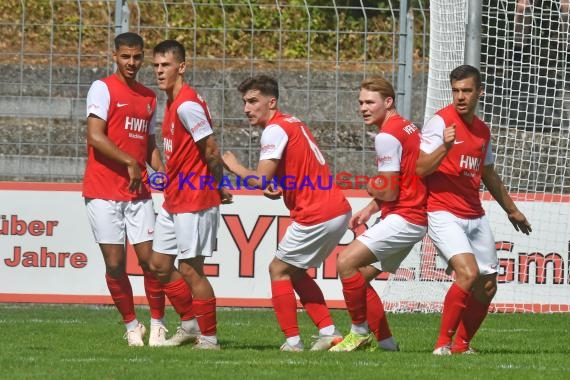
x: 132, y: 325
x: 209, y: 338
x: 294, y: 341
x: 157, y: 322
x: 327, y: 331
x: 190, y: 325
x: 360, y: 329
x: 388, y: 344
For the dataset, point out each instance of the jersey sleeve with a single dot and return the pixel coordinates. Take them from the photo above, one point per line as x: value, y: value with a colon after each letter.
x: 194, y: 119
x: 489, y: 156
x: 388, y: 152
x: 432, y: 134
x: 98, y: 100
x: 273, y: 142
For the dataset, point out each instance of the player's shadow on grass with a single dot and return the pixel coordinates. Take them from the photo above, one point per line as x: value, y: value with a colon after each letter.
x: 525, y: 351
x: 236, y: 345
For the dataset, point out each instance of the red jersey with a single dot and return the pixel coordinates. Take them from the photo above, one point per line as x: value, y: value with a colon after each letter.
x: 309, y: 190
x: 130, y: 117
x: 191, y: 188
x: 411, y: 201
x: 454, y: 186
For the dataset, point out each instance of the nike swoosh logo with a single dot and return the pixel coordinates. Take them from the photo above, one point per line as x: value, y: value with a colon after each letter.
x: 119, y: 105
x: 458, y: 142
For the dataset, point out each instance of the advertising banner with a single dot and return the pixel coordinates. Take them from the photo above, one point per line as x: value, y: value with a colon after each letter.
x: 48, y: 254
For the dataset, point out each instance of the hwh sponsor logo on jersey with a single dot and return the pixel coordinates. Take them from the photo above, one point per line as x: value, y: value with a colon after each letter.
x: 469, y: 162
x: 136, y: 125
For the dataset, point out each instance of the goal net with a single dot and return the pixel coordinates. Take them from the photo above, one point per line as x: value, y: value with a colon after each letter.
x: 524, y: 62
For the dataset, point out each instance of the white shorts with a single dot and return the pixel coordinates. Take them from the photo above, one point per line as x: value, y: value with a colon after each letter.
x: 308, y: 246
x: 188, y: 235
x: 390, y: 240
x: 110, y: 219
x: 452, y: 235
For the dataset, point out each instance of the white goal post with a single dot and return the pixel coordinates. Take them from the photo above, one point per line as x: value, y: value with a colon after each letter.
x: 524, y: 62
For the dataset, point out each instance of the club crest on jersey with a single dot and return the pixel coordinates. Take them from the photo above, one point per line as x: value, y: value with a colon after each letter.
x: 148, y: 108
x: 172, y: 129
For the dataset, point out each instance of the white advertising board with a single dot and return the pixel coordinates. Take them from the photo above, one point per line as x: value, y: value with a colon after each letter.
x: 47, y: 254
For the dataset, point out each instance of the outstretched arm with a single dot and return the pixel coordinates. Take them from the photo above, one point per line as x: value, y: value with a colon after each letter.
x: 497, y: 189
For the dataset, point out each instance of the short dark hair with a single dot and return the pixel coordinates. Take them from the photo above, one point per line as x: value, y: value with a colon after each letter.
x: 263, y: 83
x: 129, y: 39
x: 464, y: 72
x: 172, y: 46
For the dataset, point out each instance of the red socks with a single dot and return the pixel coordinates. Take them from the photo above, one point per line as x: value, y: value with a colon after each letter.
x: 154, y: 295
x: 122, y: 295
x: 180, y: 297
x: 376, y: 316
x: 473, y: 316
x: 354, y: 290
x: 312, y: 299
x: 285, y: 307
x: 453, y: 307
x: 364, y: 305
x: 205, y: 311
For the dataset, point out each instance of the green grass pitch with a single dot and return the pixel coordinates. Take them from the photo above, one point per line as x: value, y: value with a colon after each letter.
x: 85, y: 342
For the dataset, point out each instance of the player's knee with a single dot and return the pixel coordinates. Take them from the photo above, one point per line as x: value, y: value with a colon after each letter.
x: 279, y: 270
x: 274, y: 272
x: 191, y: 273
x: 115, y: 271
x: 157, y: 268
x: 467, y: 275
x: 342, y: 262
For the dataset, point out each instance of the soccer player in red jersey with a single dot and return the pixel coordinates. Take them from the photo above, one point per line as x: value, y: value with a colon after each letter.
x: 400, y: 195
x: 320, y: 213
x: 121, y: 120
x: 187, y: 223
x: 456, y: 154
